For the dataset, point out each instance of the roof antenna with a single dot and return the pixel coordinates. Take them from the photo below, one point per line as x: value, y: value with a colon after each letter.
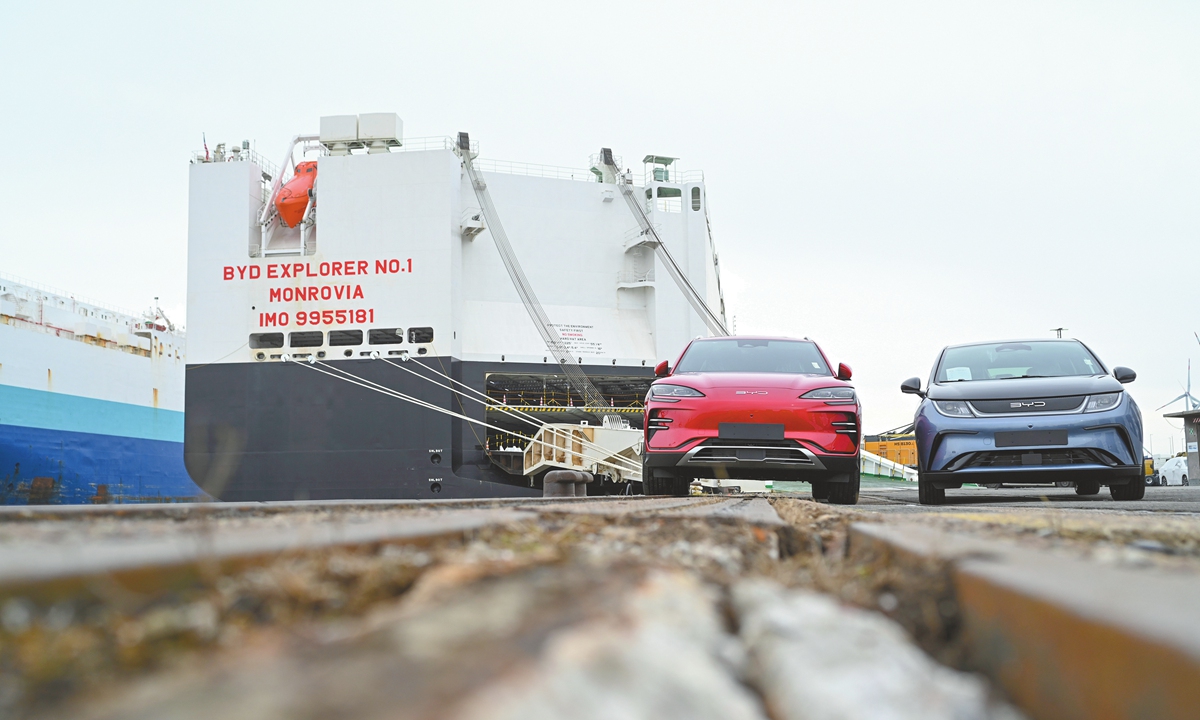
x: 1059, y: 330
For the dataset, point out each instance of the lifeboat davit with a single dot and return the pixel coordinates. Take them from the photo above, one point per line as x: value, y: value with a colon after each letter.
x: 293, y: 196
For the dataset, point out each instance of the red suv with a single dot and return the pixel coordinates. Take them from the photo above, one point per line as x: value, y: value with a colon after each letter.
x: 752, y: 408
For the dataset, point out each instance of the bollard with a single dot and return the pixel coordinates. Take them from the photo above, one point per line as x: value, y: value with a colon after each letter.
x: 581, y: 484
x: 565, y: 483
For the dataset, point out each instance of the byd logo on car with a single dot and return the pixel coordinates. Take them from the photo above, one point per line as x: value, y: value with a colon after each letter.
x: 1035, y: 403
x: 751, y: 392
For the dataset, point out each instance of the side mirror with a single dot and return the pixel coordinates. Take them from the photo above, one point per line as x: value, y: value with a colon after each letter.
x: 662, y: 369
x: 844, y: 372
x: 1124, y: 375
x: 912, y: 386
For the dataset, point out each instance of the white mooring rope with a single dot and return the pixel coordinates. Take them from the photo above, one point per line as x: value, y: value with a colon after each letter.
x: 376, y: 387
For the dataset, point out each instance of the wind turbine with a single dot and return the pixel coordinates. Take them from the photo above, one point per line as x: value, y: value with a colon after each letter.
x: 1191, y: 402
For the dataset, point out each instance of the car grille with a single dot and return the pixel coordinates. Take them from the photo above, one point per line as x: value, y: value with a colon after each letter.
x: 1045, y: 458
x: 1028, y: 405
x: 717, y: 452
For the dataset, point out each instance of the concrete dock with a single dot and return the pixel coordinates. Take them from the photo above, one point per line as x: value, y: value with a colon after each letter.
x: 1004, y: 603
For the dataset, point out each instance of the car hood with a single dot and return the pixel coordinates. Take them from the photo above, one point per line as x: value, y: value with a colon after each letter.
x: 754, y: 381
x: 1016, y: 388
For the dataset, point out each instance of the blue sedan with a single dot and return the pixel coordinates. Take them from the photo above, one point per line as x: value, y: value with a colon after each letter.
x: 1034, y: 411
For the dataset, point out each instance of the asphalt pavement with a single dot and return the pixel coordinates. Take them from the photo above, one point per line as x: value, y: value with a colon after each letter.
x: 898, y: 496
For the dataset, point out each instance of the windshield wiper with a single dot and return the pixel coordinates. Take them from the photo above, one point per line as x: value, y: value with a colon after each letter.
x: 1018, y: 377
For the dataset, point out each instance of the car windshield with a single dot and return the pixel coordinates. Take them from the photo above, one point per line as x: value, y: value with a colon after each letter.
x: 1003, y: 361
x: 754, y: 356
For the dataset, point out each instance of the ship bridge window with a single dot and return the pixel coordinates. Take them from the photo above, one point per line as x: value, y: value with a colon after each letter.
x: 420, y: 335
x: 669, y: 199
x: 345, y: 337
x: 308, y: 338
x: 266, y: 340
x: 695, y: 198
x: 386, y: 336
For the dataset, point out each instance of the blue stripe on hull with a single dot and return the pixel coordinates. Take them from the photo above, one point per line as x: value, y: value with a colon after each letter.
x: 40, y: 466
x: 60, y: 411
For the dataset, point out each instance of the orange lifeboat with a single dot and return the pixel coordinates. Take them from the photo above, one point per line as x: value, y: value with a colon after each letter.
x: 293, y: 197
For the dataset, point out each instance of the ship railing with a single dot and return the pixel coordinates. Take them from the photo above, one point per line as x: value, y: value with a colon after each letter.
x: 635, y: 236
x: 432, y: 142
x: 74, y: 297
x: 555, y: 172
x: 673, y: 177
x: 508, y: 167
x: 270, y: 169
x: 629, y: 278
x: 278, y: 176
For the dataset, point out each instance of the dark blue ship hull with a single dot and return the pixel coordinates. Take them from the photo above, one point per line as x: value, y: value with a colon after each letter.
x: 57, y: 448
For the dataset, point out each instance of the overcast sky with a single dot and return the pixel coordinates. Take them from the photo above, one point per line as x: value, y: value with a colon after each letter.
x: 886, y: 178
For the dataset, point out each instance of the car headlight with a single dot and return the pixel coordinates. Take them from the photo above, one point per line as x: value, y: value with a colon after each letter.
x: 672, y: 393
x: 953, y: 408
x: 1099, y: 403
x: 833, y: 393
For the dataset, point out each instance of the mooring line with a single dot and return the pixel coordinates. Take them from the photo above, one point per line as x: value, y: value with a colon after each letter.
x: 486, y: 401
x: 383, y: 390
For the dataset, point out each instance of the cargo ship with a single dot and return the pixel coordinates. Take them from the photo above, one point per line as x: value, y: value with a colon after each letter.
x: 378, y: 316
x: 91, y: 401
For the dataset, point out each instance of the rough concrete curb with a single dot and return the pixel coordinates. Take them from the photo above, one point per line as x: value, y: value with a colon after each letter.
x: 1064, y: 637
x: 812, y: 657
x: 55, y: 567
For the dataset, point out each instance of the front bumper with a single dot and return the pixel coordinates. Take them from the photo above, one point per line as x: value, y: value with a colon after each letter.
x: 1087, y: 473
x: 748, y: 460
x: 1102, y: 447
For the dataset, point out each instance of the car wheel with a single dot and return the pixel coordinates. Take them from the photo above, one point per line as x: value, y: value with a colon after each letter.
x: 1087, y: 487
x: 650, y: 484
x: 845, y: 493
x: 820, y: 490
x: 1060, y: 483
x: 992, y: 486
x: 678, y: 486
x: 1129, y: 491
x: 927, y: 494
x: 1184, y: 480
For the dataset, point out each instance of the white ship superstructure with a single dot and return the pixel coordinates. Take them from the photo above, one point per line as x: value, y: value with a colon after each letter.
x: 91, y: 401
x: 390, y: 257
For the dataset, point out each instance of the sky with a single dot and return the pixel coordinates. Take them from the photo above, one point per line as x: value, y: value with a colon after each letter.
x: 885, y: 178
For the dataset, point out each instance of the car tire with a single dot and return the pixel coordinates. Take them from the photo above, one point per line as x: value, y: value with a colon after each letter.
x: 1183, y: 480
x: 678, y: 486
x: 927, y: 494
x: 820, y: 490
x: 845, y: 493
x: 650, y: 484
x: 993, y: 486
x: 1087, y: 487
x: 1128, y: 491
